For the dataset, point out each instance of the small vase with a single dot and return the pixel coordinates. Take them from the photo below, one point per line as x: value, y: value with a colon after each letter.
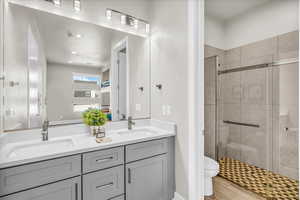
x: 98, y: 131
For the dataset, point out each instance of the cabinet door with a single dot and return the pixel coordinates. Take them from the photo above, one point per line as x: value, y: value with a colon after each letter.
x: 63, y: 190
x: 147, y: 179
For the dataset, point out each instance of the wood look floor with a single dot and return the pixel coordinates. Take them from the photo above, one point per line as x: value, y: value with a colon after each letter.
x: 210, y: 198
x: 225, y: 190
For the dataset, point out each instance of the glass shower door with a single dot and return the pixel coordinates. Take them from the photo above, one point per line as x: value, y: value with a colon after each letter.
x: 245, y: 116
x: 285, y: 117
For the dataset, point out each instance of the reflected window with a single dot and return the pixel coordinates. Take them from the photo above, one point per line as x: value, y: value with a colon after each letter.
x: 86, y: 91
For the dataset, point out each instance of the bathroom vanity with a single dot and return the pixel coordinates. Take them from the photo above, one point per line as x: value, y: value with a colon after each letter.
x: 61, y: 60
x: 136, y: 164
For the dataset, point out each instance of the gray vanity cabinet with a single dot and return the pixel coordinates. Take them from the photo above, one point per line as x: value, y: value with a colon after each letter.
x: 63, y: 190
x: 147, y: 179
x: 140, y: 171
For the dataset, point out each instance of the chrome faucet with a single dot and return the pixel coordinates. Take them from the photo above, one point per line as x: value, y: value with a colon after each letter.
x: 45, y: 130
x: 130, y: 123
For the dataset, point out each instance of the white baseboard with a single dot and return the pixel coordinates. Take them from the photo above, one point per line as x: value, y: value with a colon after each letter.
x: 178, y: 197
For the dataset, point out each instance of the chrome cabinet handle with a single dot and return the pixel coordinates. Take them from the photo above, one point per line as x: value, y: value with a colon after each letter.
x: 129, y: 176
x: 104, y: 159
x: 105, y: 185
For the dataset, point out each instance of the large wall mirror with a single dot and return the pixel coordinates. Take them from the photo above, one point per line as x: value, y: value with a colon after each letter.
x: 57, y: 67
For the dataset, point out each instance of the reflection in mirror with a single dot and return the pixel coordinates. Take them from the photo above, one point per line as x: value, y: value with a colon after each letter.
x: 57, y: 67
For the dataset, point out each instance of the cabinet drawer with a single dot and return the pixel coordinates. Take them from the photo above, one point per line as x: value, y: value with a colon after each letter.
x: 103, y: 159
x: 104, y: 185
x: 32, y: 175
x: 63, y: 190
x: 146, y: 149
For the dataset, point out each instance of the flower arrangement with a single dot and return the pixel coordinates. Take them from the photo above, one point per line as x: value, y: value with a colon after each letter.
x: 95, y: 119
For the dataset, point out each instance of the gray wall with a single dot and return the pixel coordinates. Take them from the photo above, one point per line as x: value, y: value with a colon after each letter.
x: 60, y: 90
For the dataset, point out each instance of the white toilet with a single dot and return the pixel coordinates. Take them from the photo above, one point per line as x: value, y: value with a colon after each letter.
x: 211, y: 169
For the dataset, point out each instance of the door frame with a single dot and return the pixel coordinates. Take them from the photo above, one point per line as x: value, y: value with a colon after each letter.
x: 124, y: 43
x: 196, y: 25
x: 2, y: 10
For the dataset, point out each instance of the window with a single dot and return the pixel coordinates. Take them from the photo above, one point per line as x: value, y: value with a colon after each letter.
x: 86, y: 92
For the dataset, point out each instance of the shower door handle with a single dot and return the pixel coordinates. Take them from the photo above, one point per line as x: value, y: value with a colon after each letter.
x: 241, y: 124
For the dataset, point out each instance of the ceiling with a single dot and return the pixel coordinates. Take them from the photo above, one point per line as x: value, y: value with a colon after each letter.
x: 62, y: 46
x: 227, y: 9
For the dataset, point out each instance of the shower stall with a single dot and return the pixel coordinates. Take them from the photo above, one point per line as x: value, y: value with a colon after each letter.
x: 251, y: 105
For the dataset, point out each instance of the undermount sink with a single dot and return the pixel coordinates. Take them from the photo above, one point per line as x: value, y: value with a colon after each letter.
x: 40, y: 147
x: 137, y: 132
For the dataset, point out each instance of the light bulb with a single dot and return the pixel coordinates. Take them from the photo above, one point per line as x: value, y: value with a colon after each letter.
x: 108, y: 14
x: 147, y: 28
x: 123, y: 19
x: 57, y: 3
x: 136, y: 24
x: 77, y: 5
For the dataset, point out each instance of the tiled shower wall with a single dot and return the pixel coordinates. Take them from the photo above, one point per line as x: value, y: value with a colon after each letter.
x: 267, y: 97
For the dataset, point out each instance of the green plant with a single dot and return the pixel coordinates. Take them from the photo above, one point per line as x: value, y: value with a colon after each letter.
x: 94, y: 117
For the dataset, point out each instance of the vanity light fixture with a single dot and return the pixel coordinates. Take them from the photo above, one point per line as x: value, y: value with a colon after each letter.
x: 74, y: 52
x: 128, y: 20
x: 77, y: 5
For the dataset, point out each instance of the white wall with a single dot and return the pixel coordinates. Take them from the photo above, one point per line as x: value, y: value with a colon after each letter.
x: 169, y: 52
x: 269, y: 20
x: 214, y: 33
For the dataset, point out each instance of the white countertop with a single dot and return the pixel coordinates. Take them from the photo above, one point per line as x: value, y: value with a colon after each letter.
x: 80, y: 141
